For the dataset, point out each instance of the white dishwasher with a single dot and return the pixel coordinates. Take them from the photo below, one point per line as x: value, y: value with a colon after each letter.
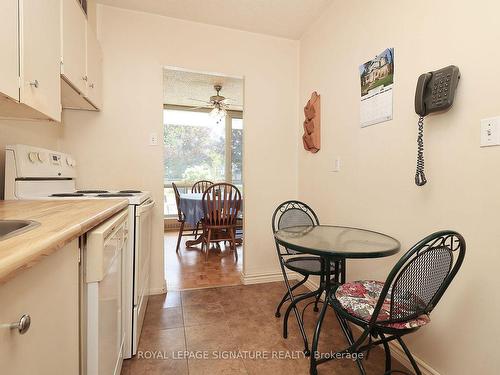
x: 103, y: 290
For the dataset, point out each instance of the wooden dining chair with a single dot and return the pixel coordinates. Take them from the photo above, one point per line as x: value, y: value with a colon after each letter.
x: 201, y: 186
x: 181, y: 219
x: 221, y: 205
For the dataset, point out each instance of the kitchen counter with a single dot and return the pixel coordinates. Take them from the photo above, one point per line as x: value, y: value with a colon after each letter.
x: 61, y: 222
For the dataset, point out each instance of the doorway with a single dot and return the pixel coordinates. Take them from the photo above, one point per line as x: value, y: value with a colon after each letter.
x: 203, y: 141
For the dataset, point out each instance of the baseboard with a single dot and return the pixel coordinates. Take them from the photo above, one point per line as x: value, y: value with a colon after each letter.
x: 259, y: 278
x: 161, y: 290
x: 396, y: 351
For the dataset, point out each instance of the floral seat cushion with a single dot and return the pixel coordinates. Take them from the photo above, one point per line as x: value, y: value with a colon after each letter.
x: 359, y: 298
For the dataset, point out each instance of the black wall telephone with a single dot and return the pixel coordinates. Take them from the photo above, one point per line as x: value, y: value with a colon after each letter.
x: 435, y: 92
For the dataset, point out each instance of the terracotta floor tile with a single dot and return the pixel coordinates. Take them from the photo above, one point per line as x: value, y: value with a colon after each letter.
x: 166, y: 340
x: 155, y: 367
x: 217, y: 367
x: 159, y: 318
x: 170, y: 299
x: 210, y: 337
x: 204, y: 313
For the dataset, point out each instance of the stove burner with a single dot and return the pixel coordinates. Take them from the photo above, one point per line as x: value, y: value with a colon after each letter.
x: 130, y: 191
x: 109, y: 195
x: 92, y: 191
x: 67, y: 195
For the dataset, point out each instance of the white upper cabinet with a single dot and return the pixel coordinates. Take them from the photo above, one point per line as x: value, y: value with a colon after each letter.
x: 40, y: 52
x: 94, y: 69
x: 80, y: 60
x: 29, y: 64
x: 9, y: 62
x: 74, y: 45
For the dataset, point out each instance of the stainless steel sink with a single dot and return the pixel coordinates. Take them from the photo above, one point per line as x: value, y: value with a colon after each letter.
x: 11, y: 228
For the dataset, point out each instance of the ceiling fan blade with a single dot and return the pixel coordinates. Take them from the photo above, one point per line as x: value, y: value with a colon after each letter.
x: 195, y: 108
x: 198, y: 100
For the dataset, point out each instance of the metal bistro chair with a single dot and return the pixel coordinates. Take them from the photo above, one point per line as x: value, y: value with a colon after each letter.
x: 221, y: 204
x: 388, y: 311
x: 181, y: 219
x: 291, y: 214
x: 201, y: 186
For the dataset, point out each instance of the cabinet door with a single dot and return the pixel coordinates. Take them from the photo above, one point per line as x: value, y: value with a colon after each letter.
x: 48, y: 293
x: 9, y: 65
x: 94, y: 69
x: 74, y: 42
x: 40, y: 56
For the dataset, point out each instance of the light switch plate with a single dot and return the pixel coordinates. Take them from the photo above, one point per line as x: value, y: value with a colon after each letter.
x: 153, y: 139
x: 490, y: 132
x: 337, y: 164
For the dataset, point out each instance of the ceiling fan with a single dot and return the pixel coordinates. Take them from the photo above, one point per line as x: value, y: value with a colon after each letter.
x: 217, y: 102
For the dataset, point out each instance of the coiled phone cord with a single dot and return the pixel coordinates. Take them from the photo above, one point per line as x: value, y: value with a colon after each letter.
x: 420, y: 179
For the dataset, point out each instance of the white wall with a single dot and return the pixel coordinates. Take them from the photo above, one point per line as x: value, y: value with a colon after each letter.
x: 375, y: 188
x: 112, y: 146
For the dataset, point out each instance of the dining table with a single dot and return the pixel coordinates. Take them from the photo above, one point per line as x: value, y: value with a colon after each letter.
x: 335, y: 245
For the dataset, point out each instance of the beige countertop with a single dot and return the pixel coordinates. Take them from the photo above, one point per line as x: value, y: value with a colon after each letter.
x: 61, y: 222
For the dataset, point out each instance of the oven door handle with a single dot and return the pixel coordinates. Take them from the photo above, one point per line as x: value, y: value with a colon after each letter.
x: 145, y: 207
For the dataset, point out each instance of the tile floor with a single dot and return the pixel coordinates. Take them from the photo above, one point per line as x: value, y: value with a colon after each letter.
x: 231, y: 319
x: 188, y: 269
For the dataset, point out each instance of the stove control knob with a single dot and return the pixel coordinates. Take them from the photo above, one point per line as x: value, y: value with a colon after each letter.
x: 32, y: 156
x: 42, y: 157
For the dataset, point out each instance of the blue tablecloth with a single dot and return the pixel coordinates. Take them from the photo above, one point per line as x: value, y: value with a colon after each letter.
x: 192, y: 207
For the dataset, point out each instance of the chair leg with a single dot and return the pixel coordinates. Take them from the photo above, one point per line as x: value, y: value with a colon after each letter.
x: 293, y: 307
x: 410, y: 357
x: 286, y: 297
x: 233, y: 244
x: 208, y: 244
x: 179, y: 237
x: 387, y: 350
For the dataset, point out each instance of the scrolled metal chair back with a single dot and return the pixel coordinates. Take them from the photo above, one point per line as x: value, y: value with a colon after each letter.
x: 293, y: 214
x: 419, y: 280
x: 201, y: 186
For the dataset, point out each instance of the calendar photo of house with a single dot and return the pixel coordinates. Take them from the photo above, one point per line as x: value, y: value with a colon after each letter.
x: 377, y: 72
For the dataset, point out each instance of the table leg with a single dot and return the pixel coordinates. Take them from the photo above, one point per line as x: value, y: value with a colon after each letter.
x: 317, y: 330
x: 196, y: 241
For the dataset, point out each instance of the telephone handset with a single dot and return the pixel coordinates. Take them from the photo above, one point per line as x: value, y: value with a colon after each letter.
x: 435, y: 92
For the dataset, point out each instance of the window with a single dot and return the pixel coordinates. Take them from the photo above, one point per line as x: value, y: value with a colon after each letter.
x: 196, y: 147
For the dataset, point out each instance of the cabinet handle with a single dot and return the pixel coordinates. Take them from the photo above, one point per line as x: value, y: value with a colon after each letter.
x: 91, y: 85
x: 23, y: 325
x: 34, y: 83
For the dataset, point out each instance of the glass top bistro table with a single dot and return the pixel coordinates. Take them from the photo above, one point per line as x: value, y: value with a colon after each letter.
x: 335, y: 244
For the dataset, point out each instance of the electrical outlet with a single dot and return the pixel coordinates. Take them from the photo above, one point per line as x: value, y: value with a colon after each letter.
x: 490, y: 132
x: 153, y: 139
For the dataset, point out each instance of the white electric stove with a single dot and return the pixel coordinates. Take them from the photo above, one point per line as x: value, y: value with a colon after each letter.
x: 33, y: 173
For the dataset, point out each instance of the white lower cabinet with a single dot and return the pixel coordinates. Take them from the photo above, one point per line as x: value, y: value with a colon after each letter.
x: 48, y: 293
x: 104, y: 289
